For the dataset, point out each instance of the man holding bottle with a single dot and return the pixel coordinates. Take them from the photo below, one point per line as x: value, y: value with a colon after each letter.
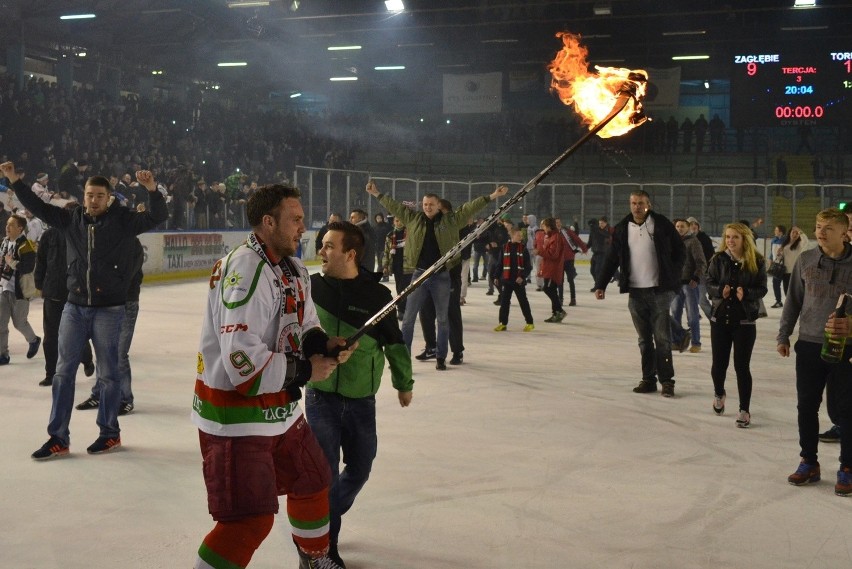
x: 819, y: 277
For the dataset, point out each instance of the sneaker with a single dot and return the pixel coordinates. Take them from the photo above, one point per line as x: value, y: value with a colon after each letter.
x: 426, y: 354
x: 694, y: 349
x: 46, y: 382
x: 489, y: 293
x: 5, y: 359
x: 560, y: 316
x: 684, y: 342
x: 844, y: 482
x: 457, y: 360
x: 90, y: 403
x: 529, y: 327
x: 743, y: 419
x: 593, y: 289
x: 52, y: 448
x: 804, y: 474
x: 668, y: 389
x: 573, y: 302
x: 500, y: 328
x: 552, y: 318
x: 645, y: 387
x: 831, y: 436
x: 719, y: 404
x: 89, y: 369
x: 497, y: 302
x: 441, y: 364
x: 125, y: 408
x: 778, y: 304
x: 34, y: 346
x: 104, y: 445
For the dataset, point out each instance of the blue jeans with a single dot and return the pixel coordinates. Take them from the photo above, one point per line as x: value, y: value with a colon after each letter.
x: 340, y: 423
x: 687, y: 296
x: 475, y: 257
x: 438, y: 288
x: 131, y: 312
x: 703, y: 299
x: 79, y: 324
x: 649, y: 308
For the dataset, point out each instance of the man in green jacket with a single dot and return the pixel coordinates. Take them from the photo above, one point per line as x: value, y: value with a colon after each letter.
x: 431, y: 234
x: 341, y: 410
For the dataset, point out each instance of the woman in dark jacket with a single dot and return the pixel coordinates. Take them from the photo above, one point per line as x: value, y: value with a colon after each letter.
x: 736, y: 282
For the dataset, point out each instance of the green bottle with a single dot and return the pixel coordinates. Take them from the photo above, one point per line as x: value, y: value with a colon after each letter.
x: 832, y: 346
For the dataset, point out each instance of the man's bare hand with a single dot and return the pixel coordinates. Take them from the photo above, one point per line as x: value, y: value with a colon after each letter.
x: 372, y: 189
x: 335, y: 343
x: 146, y: 178
x: 322, y: 367
x: 404, y: 398
x: 8, y: 170
x: 784, y: 350
x: 600, y: 294
x: 500, y: 191
x: 837, y: 327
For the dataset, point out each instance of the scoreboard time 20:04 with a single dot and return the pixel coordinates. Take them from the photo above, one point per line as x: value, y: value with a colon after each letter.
x: 777, y: 88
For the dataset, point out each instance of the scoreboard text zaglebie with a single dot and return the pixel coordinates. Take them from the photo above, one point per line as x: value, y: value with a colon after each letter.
x: 777, y: 88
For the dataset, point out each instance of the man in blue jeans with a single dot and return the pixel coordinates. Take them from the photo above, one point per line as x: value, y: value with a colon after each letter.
x: 98, y: 237
x: 431, y: 234
x: 128, y: 326
x: 341, y: 410
x: 650, y: 252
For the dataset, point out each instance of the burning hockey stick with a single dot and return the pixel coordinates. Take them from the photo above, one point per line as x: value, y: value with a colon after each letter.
x: 629, y: 91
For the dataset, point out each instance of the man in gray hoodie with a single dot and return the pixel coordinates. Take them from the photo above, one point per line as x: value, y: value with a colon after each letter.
x: 819, y: 277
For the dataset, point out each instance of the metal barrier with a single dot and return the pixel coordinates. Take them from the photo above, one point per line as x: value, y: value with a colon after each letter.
x: 326, y: 191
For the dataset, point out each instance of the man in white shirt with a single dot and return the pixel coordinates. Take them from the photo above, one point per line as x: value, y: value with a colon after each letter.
x: 650, y: 253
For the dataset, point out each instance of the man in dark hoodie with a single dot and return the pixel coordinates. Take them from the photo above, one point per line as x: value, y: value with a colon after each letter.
x: 341, y: 410
x: 98, y: 237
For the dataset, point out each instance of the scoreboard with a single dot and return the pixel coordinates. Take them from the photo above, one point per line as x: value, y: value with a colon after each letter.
x: 782, y: 87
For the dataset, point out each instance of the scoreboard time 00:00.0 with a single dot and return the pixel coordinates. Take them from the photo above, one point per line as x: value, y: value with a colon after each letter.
x: 779, y: 89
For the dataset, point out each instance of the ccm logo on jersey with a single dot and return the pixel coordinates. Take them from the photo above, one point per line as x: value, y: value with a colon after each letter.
x: 228, y: 328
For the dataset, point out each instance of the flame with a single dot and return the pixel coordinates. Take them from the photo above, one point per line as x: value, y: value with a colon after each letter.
x: 593, y: 94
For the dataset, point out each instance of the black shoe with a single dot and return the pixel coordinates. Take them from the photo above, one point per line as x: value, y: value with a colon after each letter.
x: 457, y: 360
x: 34, y: 346
x: 426, y: 354
x: 573, y: 302
x: 125, y: 408
x: 104, y: 445
x: 46, y: 382
x: 441, y: 364
x: 475, y: 280
x: 89, y: 369
x: 489, y: 293
x: 51, y: 449
x: 668, y: 389
x: 497, y: 302
x: 778, y: 304
x: 90, y: 403
x: 335, y: 556
x: 593, y: 289
x: 831, y: 436
x: 645, y: 387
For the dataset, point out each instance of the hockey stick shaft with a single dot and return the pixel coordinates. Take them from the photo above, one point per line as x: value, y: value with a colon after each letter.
x: 620, y: 103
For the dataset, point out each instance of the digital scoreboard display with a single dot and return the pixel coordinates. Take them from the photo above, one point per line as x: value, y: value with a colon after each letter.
x: 777, y: 88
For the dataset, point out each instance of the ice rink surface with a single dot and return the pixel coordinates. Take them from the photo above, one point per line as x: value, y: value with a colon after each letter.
x: 534, y: 453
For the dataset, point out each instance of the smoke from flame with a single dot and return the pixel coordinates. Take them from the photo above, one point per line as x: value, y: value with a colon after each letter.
x: 592, y: 94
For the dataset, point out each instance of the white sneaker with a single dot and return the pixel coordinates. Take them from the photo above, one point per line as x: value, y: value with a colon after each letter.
x: 743, y: 419
x: 719, y: 404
